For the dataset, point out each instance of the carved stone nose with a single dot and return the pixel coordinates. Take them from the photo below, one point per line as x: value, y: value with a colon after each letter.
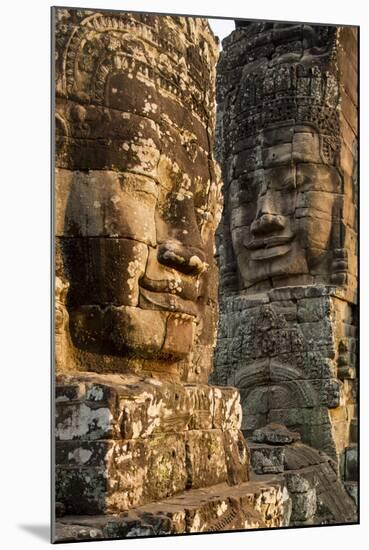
x: 187, y: 259
x: 267, y: 223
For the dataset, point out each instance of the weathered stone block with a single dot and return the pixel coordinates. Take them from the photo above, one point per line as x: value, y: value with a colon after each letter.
x: 206, y: 464
x: 227, y: 409
x: 297, y: 483
x: 85, y: 421
x: 275, y: 434
x: 84, y: 453
x: 72, y: 392
x: 312, y: 310
x: 142, y: 440
x: 266, y: 459
x: 82, y: 491
x: 219, y: 508
x: 304, y: 505
x: 201, y: 407
x: 166, y: 472
x: 237, y: 456
x: 119, y: 475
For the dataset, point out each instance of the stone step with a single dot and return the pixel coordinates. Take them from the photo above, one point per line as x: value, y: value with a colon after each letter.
x: 123, y: 441
x: 317, y: 495
x: 250, y: 505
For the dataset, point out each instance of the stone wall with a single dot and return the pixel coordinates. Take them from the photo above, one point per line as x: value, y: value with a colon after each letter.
x: 317, y: 496
x: 292, y: 354
x: 122, y: 442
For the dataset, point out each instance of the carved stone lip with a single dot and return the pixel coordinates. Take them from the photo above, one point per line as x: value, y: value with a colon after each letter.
x: 269, y: 242
x: 271, y: 252
x: 179, y: 287
x: 167, y: 302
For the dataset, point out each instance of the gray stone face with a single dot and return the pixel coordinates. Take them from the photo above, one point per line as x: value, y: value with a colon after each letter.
x: 289, y: 216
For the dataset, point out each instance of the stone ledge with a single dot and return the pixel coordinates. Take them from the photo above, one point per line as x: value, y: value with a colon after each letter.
x: 123, y: 441
x: 317, y: 494
x: 239, y: 302
x: 94, y: 406
x: 250, y: 505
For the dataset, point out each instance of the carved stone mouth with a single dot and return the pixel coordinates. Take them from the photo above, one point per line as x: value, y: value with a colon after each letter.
x: 271, y: 252
x: 269, y: 247
x: 269, y: 242
x: 178, y: 287
x: 166, y: 301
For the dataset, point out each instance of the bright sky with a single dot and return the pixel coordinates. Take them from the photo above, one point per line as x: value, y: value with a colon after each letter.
x: 222, y: 27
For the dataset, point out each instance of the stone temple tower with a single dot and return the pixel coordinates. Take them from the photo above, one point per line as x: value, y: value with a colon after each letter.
x: 144, y: 445
x: 287, y: 243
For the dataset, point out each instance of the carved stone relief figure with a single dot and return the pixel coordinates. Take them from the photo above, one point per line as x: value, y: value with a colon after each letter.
x: 288, y: 156
x: 138, y: 192
x: 284, y: 215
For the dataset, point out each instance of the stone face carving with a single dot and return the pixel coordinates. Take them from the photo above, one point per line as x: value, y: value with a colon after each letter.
x: 282, y: 214
x: 144, y: 445
x: 137, y: 204
x: 288, y: 185
x: 287, y: 242
x: 137, y: 191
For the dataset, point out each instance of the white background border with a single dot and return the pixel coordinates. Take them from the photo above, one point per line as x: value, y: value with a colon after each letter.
x: 25, y: 261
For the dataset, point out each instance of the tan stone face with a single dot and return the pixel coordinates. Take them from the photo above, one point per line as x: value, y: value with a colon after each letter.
x: 139, y: 257
x: 281, y: 220
x: 136, y: 191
